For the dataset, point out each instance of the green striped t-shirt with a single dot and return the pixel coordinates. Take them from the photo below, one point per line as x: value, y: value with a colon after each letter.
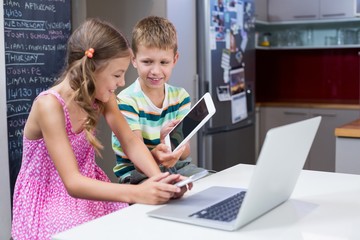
x: 143, y: 115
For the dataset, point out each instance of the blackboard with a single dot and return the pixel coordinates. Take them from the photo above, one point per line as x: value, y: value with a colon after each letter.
x: 36, y: 33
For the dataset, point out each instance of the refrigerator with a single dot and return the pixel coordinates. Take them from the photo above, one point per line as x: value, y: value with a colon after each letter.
x: 226, y: 69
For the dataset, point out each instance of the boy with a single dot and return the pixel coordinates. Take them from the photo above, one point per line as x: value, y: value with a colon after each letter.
x: 150, y: 105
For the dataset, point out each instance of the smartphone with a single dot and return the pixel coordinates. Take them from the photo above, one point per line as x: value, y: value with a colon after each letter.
x: 192, y: 178
x: 198, y: 115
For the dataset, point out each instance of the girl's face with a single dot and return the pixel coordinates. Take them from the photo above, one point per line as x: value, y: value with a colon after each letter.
x: 110, y: 77
x: 154, y: 66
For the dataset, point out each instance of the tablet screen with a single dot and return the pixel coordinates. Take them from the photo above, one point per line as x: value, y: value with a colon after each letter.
x: 188, y: 124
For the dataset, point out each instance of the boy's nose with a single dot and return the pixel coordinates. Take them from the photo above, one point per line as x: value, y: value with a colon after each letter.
x: 155, y: 69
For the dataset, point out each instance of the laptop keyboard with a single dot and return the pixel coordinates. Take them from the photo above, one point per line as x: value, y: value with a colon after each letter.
x: 224, y: 211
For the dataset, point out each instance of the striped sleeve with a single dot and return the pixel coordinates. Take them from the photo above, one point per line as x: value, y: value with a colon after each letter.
x: 183, y: 101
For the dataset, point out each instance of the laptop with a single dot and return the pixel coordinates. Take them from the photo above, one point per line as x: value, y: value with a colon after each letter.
x: 278, y: 167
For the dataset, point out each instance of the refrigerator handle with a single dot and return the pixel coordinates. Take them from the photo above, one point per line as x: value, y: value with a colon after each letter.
x: 205, y: 87
x: 250, y: 102
x: 201, y: 85
x: 196, y: 88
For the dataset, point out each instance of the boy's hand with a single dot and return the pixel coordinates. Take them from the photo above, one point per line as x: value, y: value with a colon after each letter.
x: 166, y: 129
x: 165, y: 157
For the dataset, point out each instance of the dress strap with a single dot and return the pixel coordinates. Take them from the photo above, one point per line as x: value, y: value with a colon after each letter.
x: 56, y: 94
x: 62, y: 102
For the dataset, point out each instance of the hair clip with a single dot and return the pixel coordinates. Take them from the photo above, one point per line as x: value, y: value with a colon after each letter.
x: 89, y: 53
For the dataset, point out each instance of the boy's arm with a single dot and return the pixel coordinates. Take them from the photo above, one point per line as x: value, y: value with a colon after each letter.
x: 139, y: 135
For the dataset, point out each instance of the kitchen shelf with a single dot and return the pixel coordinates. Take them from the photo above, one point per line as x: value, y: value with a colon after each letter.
x: 324, y: 33
x: 310, y: 47
x: 310, y: 22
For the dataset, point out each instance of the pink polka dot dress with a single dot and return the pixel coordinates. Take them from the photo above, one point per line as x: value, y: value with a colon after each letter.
x: 42, y: 207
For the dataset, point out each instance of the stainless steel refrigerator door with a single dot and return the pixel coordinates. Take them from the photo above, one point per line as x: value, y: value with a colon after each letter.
x: 223, y: 143
x: 223, y: 150
x: 211, y: 71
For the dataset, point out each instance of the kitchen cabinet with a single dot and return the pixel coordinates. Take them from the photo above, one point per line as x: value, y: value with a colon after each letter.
x: 270, y: 117
x: 348, y: 148
x: 294, y: 24
x: 294, y: 10
x: 330, y: 9
x: 261, y: 10
x: 322, y: 153
x: 290, y: 10
x: 347, y: 155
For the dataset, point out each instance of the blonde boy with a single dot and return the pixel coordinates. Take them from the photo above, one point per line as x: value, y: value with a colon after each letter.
x: 150, y: 105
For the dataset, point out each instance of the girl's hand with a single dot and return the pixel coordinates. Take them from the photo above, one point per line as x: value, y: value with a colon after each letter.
x: 159, y: 189
x: 184, y: 189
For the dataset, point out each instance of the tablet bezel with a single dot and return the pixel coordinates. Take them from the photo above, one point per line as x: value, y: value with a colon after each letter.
x: 211, y: 111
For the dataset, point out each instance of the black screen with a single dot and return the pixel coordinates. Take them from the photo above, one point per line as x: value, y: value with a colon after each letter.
x: 188, y: 124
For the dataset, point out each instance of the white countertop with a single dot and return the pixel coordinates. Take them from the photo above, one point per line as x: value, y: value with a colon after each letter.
x: 322, y: 206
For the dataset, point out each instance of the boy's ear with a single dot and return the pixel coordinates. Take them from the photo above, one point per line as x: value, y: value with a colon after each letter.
x: 176, y: 57
x: 133, y: 62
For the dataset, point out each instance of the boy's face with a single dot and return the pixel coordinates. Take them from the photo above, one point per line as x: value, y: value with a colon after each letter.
x: 154, y: 66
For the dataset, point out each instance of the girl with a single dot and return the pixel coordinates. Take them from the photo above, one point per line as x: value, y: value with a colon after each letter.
x: 59, y: 185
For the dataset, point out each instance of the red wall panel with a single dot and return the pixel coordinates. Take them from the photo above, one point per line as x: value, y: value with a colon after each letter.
x: 311, y: 75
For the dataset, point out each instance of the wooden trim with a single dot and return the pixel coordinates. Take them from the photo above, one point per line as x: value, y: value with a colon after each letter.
x: 351, y: 129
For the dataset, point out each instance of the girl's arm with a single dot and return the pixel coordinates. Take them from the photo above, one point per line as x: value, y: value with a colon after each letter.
x: 49, y: 118
x: 132, y: 145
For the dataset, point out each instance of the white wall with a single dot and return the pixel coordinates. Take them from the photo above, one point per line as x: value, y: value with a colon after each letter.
x: 5, y: 205
x: 78, y: 13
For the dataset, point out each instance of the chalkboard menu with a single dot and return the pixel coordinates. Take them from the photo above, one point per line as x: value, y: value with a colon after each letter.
x: 36, y: 32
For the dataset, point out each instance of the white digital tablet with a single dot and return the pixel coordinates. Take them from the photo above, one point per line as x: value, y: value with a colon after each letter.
x: 198, y: 115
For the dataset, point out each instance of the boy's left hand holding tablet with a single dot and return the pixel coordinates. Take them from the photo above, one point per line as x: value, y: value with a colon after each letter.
x: 162, y: 153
